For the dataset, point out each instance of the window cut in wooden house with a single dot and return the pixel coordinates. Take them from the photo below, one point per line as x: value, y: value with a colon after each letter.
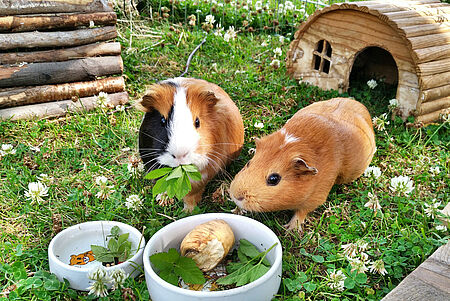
x: 322, y: 57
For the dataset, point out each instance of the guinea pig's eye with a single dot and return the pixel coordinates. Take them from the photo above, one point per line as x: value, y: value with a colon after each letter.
x: 273, y: 179
x: 197, y: 123
x: 163, y: 121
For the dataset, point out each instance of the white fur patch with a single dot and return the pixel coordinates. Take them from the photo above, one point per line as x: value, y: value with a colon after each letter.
x: 288, y: 138
x: 183, y: 137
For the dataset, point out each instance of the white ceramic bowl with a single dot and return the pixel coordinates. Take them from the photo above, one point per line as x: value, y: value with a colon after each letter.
x: 171, y: 236
x: 78, y: 239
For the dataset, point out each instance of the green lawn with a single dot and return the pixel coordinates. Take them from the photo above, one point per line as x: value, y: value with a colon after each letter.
x: 78, y: 148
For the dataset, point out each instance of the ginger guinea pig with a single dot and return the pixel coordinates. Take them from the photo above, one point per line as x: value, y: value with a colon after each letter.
x: 189, y: 121
x: 325, y: 143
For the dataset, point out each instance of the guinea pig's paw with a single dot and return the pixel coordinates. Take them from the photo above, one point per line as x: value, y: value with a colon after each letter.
x: 295, y: 224
x: 188, y: 207
x: 238, y: 211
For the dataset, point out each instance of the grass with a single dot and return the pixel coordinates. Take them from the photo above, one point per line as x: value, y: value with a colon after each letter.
x: 75, y: 149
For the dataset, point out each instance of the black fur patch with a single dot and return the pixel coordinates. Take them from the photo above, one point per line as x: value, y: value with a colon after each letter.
x: 153, y: 138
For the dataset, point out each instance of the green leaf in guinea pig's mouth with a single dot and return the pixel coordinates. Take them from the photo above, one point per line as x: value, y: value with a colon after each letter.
x: 175, y: 182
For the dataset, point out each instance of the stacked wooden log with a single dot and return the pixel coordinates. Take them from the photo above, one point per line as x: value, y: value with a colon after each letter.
x: 56, y: 55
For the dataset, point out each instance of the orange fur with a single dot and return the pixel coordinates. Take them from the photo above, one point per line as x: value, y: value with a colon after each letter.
x: 335, y: 140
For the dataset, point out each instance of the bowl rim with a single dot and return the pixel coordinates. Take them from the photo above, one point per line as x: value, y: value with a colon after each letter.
x: 234, y: 291
x: 130, y: 229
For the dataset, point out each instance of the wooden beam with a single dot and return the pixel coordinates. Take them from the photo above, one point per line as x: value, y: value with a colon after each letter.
x: 58, y: 108
x: 32, y: 23
x: 20, y: 7
x: 11, y: 97
x: 56, y: 39
x: 432, y: 53
x: 36, y: 74
x: 434, y: 80
x: 59, y: 55
x: 435, y: 93
x: 435, y: 105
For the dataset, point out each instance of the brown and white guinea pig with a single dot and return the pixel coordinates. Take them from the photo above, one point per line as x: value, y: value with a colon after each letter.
x: 189, y: 121
x: 294, y: 168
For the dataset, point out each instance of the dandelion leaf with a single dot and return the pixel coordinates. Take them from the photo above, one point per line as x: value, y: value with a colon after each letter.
x: 188, y: 270
x: 157, y: 173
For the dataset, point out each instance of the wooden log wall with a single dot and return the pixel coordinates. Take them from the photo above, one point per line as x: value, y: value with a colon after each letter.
x: 55, y: 52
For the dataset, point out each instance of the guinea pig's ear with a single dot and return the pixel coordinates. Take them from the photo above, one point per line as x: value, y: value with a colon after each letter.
x: 146, y: 103
x: 301, y: 166
x: 209, y: 97
x: 257, y: 142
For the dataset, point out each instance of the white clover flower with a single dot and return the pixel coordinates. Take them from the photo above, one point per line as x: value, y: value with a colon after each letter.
x: 98, y: 288
x: 289, y: 6
x: 99, y: 273
x: 350, y: 250
x: 163, y: 199
x: 258, y: 5
x: 134, y: 169
x: 432, y: 209
x: 219, y: 30
x: 277, y: 51
x: 372, y: 171
x: 120, y: 108
x: 402, y: 184
x: 192, y: 20
x: 258, y: 125
x: 36, y: 192
x: 100, y: 277
x: 91, y: 23
x: 358, y: 265
x: 7, y: 149
x: 441, y: 228
x: 373, y: 202
x: 101, y: 180
x: 133, y: 202
x: 102, y: 100
x: 380, y: 122
x: 214, y: 66
x: 118, y: 277
x: 36, y: 149
x: 372, y: 83
x: 198, y: 11
x: 281, y: 39
x: 337, y: 280
x: 230, y: 34
x: 275, y: 63
x: 281, y: 9
x: 45, y: 179
x: 210, y: 19
x: 105, y: 190
x: 435, y: 170
x: 378, y: 266
x: 362, y: 246
x: 364, y: 256
x: 393, y: 104
x: 264, y: 44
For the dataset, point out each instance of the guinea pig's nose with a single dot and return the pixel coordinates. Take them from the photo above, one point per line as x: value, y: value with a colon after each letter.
x: 240, y: 199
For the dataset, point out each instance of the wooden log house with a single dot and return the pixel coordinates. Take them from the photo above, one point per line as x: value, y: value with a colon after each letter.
x: 406, y: 42
x: 56, y: 55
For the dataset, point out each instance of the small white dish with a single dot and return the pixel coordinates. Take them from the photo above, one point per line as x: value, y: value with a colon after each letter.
x: 77, y: 240
x: 257, y: 233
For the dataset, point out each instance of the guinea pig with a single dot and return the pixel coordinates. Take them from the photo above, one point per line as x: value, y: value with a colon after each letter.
x: 189, y: 121
x: 326, y: 143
